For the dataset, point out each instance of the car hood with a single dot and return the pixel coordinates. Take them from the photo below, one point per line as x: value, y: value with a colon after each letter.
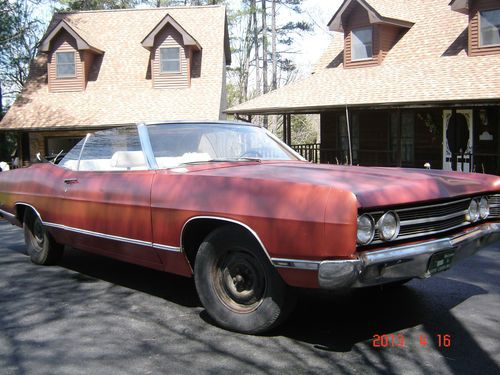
x: 373, y: 186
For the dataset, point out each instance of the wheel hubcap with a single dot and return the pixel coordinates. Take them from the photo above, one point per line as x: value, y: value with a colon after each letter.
x: 241, y: 283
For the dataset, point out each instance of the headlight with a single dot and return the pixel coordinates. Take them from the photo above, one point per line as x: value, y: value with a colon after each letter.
x: 484, y: 208
x: 388, y: 226
x: 473, y: 211
x: 366, y: 229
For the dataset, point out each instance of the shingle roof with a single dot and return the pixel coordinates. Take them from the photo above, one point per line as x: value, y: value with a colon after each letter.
x: 428, y: 65
x: 121, y: 94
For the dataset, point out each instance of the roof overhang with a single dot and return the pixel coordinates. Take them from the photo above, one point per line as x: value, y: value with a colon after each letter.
x: 81, y: 43
x: 187, y: 39
x: 335, y: 23
x: 315, y: 109
x: 461, y: 6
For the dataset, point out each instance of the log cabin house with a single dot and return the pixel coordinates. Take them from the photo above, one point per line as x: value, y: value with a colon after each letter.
x: 416, y: 81
x: 100, y: 69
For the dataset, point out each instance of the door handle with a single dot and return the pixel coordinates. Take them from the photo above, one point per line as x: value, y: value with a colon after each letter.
x: 69, y: 181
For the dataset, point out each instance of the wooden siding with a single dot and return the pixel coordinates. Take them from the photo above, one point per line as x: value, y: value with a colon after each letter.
x: 88, y: 59
x: 64, y: 42
x: 169, y: 37
x: 388, y: 35
x: 474, y: 48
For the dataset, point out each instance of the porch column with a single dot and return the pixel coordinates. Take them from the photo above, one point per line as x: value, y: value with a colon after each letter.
x: 285, y: 128
x: 289, y: 131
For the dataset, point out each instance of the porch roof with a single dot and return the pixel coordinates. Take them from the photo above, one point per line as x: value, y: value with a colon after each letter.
x: 429, y: 65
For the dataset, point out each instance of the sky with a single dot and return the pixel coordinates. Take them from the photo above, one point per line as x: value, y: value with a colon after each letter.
x: 319, y: 12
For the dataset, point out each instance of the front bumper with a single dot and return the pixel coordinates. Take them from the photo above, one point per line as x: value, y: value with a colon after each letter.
x: 403, y: 262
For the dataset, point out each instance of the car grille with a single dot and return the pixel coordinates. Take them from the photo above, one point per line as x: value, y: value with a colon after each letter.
x: 495, y: 206
x: 427, y: 220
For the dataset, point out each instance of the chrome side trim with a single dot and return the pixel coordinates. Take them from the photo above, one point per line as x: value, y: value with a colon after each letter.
x: 133, y: 241
x: 173, y: 249
x: 10, y: 217
x: 296, y: 263
x: 252, y: 232
x: 98, y: 234
x: 147, y: 149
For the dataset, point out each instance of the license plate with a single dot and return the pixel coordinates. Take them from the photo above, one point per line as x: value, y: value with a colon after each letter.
x: 440, y: 262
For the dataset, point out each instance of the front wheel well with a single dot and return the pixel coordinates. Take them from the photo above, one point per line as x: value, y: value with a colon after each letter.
x: 196, y: 230
x: 21, y: 211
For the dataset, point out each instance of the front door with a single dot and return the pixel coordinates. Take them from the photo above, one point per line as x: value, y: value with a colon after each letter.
x: 106, y: 197
x: 457, y: 140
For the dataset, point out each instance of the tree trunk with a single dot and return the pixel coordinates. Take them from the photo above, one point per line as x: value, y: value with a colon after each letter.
x: 256, y: 47
x: 264, y: 48
x: 265, y: 89
x: 246, y: 62
x: 274, y: 81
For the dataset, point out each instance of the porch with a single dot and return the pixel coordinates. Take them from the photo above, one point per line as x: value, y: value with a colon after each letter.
x: 460, y: 137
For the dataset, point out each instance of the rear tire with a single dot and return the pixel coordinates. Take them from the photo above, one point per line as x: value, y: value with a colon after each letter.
x: 237, y: 284
x: 41, y: 247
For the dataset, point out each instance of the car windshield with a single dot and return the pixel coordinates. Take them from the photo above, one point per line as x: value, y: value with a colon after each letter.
x: 177, y: 144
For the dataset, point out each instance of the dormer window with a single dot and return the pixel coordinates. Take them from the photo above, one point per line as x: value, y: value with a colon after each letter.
x: 369, y: 32
x: 170, y: 60
x: 362, y: 43
x: 171, y: 49
x: 70, y: 54
x: 489, y: 21
x: 65, y: 65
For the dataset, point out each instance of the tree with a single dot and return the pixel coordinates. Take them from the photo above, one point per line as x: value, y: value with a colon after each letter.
x: 20, y: 31
x: 250, y: 33
x: 97, y: 4
x: 19, y: 34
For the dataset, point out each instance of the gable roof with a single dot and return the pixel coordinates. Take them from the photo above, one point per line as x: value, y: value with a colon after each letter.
x: 119, y: 89
x: 394, y: 12
x: 429, y: 64
x: 82, y: 40
x: 187, y: 39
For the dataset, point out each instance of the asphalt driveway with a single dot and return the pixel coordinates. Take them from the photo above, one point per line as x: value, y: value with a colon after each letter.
x: 92, y: 315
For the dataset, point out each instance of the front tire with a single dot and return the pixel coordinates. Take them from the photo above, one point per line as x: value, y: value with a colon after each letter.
x: 237, y: 284
x: 42, y: 248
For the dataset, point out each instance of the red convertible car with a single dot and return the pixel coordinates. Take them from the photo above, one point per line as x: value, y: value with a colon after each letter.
x: 231, y: 205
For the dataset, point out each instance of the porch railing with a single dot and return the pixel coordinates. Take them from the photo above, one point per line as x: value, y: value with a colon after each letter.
x: 313, y: 152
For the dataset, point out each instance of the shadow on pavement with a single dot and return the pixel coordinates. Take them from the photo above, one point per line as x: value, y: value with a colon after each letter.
x: 322, y: 329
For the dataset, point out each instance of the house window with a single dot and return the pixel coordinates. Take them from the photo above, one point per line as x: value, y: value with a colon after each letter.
x: 65, y: 64
x: 362, y: 43
x: 490, y: 27
x: 170, y: 60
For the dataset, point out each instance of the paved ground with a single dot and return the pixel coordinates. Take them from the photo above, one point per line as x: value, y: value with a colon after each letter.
x: 92, y: 315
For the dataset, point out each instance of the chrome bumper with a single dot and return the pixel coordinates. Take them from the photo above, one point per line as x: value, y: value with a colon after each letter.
x: 403, y: 262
